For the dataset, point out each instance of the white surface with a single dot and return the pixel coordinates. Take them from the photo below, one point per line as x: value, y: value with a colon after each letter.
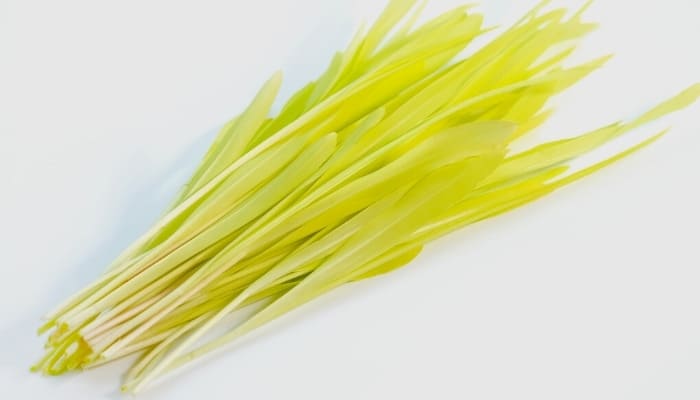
x: 591, y: 293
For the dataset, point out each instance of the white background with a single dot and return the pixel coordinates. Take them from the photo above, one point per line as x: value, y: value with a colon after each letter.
x: 591, y: 293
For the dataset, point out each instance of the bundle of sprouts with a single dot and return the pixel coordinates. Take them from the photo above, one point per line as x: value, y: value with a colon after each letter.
x: 399, y: 142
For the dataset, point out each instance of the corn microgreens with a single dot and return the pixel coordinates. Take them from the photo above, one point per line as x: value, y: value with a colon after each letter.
x: 397, y: 143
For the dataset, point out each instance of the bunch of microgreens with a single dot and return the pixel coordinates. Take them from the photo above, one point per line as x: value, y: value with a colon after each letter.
x: 397, y: 143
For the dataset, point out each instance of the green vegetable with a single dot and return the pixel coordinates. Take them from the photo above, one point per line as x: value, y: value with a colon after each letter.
x: 397, y: 143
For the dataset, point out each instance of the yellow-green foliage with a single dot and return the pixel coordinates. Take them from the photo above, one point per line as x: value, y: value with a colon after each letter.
x: 395, y: 144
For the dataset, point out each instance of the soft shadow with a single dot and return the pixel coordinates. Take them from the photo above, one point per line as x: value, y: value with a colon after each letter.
x: 143, y: 206
x: 140, y: 209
